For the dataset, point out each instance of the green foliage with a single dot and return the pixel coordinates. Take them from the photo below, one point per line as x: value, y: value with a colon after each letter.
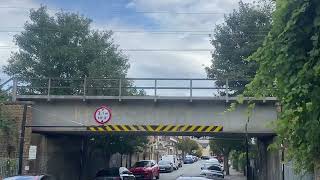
x: 187, y: 145
x: 236, y: 39
x: 289, y: 68
x: 224, y: 146
x: 238, y: 160
x: 198, y: 152
x: 111, y: 144
x: 65, y: 46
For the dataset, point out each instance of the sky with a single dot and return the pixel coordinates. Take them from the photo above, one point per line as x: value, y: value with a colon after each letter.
x: 137, y: 15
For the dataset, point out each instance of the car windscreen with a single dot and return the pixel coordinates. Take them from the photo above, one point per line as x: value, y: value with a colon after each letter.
x: 206, y: 165
x: 22, y: 178
x: 142, y: 164
x: 108, y: 172
x: 164, y: 163
x: 214, y: 167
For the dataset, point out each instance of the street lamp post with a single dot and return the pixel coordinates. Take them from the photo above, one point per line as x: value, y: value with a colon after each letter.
x: 247, y: 150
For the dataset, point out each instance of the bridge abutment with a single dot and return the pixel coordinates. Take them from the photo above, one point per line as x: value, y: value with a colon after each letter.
x: 269, y: 161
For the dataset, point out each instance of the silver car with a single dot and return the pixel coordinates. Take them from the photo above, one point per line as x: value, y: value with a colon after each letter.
x: 120, y: 173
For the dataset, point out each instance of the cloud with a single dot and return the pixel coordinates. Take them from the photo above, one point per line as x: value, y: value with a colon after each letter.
x: 174, y: 64
x: 146, y: 64
x: 11, y: 18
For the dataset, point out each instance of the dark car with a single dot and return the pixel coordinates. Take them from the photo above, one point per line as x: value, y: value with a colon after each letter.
x: 115, y: 173
x: 188, y: 160
x: 146, y: 169
x: 165, y: 166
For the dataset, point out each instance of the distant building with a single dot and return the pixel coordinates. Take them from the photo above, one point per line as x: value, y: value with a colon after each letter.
x: 204, y: 144
x: 163, y: 145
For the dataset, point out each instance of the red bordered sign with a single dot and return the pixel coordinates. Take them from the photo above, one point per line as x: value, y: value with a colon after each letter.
x: 102, y: 115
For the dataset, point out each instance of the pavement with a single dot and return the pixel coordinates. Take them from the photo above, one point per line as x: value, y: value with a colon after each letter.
x: 194, y: 170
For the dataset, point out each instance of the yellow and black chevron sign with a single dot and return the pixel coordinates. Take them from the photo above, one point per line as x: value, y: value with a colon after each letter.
x: 155, y: 128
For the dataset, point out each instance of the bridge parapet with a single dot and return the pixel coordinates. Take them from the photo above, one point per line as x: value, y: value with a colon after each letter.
x: 127, y: 88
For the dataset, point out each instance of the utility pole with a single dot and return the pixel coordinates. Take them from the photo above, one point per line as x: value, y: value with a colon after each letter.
x: 247, y: 151
x: 22, y: 134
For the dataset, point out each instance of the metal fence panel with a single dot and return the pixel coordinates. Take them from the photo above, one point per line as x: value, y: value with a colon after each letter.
x: 289, y: 174
x: 8, y: 167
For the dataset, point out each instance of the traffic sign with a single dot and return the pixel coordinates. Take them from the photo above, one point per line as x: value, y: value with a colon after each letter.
x: 102, y: 115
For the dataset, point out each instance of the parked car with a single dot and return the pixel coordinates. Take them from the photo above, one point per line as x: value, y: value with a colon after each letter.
x: 213, y: 160
x: 115, y: 173
x: 212, y: 171
x: 188, y: 160
x: 165, y: 166
x: 173, y: 159
x: 208, y: 163
x: 40, y: 177
x: 195, y: 158
x: 191, y: 178
x: 205, y: 157
x: 146, y: 169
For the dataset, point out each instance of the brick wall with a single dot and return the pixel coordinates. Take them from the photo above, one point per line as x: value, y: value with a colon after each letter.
x: 9, y: 146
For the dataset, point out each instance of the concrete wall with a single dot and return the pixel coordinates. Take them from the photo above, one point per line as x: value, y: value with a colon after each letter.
x: 57, y: 155
x: 144, y: 112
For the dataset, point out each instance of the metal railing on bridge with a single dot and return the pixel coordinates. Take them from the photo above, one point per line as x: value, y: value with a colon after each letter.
x: 125, y: 88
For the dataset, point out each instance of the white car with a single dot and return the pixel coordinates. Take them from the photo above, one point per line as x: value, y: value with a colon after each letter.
x: 213, y: 160
x: 212, y: 171
x: 173, y: 159
x: 207, y: 164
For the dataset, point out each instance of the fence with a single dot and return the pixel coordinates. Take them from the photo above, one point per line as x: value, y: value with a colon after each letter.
x: 289, y: 174
x: 8, y: 167
x: 125, y: 88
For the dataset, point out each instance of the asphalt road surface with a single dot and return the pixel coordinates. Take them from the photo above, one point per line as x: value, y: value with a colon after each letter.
x: 194, y: 170
x: 185, y: 170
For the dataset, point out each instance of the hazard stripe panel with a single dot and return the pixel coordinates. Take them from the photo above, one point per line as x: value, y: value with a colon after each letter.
x: 155, y: 128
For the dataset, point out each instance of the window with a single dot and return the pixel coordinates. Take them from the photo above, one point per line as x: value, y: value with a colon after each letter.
x: 142, y: 164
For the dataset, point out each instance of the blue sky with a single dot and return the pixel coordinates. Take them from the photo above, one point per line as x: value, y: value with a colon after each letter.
x: 121, y: 15
x: 102, y: 10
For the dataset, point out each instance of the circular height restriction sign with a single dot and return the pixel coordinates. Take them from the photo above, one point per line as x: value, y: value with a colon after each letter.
x: 102, y: 115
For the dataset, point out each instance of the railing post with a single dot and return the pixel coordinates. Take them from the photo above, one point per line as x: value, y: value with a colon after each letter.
x: 120, y: 87
x: 227, y: 90
x: 14, y: 89
x: 49, y: 87
x: 190, y: 90
x: 155, y: 90
x: 84, y: 88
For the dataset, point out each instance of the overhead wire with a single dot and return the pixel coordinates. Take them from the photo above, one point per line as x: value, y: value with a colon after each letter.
x: 126, y: 10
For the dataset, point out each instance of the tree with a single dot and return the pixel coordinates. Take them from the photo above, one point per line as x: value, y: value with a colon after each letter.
x: 224, y: 147
x: 65, y: 46
x: 236, y: 39
x: 187, y: 145
x: 289, y: 68
x: 111, y: 144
